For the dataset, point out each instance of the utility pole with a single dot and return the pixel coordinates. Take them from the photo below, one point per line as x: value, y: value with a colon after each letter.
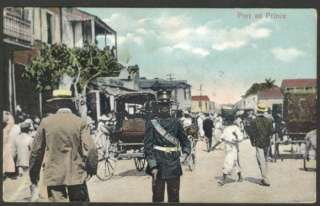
x: 200, y: 90
x: 170, y: 76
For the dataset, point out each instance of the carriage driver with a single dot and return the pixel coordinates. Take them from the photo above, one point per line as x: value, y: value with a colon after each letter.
x: 163, y: 137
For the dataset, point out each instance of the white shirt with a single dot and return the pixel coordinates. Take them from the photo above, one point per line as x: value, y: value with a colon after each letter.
x: 228, y: 134
x: 186, y: 122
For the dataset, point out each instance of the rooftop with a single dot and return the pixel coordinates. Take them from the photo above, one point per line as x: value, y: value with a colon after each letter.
x: 162, y: 83
x: 272, y: 93
x: 200, y: 98
x: 298, y: 83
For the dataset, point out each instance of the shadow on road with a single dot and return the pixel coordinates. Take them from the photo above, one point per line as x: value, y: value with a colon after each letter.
x: 253, y: 180
x: 132, y: 172
x: 228, y: 180
x: 308, y: 169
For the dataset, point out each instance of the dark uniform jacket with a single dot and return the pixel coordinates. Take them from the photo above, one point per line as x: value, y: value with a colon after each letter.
x: 260, y: 131
x: 168, y: 164
x: 64, y: 144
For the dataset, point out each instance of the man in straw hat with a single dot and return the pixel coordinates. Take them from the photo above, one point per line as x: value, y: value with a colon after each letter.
x: 163, y: 137
x: 260, y: 131
x: 64, y: 144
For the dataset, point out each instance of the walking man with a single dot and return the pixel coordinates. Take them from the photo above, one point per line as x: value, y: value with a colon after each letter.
x: 232, y: 136
x: 260, y: 131
x: 64, y: 144
x: 163, y: 137
x: 208, y: 129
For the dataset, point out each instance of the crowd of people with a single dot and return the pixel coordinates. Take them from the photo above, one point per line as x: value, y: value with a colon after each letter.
x: 22, y: 143
x: 18, y: 134
x: 259, y: 127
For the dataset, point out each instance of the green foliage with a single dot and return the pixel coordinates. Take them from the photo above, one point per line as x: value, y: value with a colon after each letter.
x: 256, y: 87
x: 82, y: 64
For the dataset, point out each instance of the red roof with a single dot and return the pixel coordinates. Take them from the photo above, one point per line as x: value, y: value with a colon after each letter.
x: 200, y: 98
x: 272, y: 93
x: 289, y: 83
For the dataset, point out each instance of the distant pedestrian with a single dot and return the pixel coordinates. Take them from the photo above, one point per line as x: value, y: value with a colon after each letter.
x: 64, y: 143
x: 232, y: 136
x: 200, y: 125
x: 208, y: 129
x: 8, y: 166
x: 23, y: 147
x: 218, y: 129
x: 260, y: 131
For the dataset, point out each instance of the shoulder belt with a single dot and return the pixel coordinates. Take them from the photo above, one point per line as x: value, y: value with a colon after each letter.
x: 164, y: 133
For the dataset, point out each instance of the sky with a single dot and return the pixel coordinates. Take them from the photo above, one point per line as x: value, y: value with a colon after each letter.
x: 224, y: 50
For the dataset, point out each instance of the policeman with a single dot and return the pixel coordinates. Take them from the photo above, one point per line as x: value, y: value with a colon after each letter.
x: 64, y: 144
x: 163, y: 137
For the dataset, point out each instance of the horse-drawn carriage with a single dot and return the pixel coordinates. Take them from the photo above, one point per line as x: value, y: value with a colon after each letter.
x: 131, y: 111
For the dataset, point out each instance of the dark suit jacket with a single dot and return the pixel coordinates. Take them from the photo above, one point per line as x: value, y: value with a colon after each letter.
x: 260, y: 131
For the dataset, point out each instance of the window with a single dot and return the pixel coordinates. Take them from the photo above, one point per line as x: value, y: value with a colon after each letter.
x: 200, y: 104
x: 49, y: 28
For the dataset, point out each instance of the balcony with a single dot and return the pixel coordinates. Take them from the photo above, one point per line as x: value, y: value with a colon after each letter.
x: 17, y: 29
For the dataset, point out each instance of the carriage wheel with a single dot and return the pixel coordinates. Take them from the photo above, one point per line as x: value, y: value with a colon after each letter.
x: 139, y: 163
x: 106, y: 169
x: 192, y: 162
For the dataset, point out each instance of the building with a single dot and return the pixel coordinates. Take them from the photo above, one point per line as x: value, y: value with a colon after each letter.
x: 201, y: 104
x: 181, y: 90
x: 246, y: 103
x: 26, y: 28
x: 299, y: 85
x: 17, y: 31
x: 272, y: 98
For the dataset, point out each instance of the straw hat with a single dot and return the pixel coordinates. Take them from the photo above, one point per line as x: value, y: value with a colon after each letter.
x: 59, y: 94
x: 262, y: 107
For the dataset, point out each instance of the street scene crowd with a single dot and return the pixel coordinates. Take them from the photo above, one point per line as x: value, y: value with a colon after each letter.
x: 77, y: 113
x: 23, y: 143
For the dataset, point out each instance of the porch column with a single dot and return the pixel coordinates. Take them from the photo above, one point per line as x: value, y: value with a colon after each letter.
x: 14, y: 91
x: 93, y: 32
x: 116, y: 45
x: 10, y: 83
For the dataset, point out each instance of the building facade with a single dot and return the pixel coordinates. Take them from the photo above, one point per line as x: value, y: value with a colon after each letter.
x: 180, y: 89
x: 299, y: 86
x: 26, y: 28
x: 201, y: 104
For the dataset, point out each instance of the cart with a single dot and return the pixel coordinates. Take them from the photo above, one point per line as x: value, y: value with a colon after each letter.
x: 299, y: 115
x: 131, y: 112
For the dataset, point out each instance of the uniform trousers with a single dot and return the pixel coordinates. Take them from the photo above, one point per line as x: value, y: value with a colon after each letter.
x: 63, y: 193
x: 262, y: 154
x: 173, y: 187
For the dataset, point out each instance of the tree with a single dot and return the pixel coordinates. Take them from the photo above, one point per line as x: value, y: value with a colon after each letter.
x: 56, y: 62
x: 256, y: 87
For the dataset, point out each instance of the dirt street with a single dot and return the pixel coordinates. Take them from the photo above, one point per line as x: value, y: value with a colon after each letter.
x: 289, y: 182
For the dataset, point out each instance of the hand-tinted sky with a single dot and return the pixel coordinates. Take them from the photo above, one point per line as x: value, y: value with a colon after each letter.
x: 225, y: 50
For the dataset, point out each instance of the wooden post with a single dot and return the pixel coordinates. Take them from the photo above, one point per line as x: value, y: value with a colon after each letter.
x: 98, y: 104
x: 40, y: 104
x: 105, y: 39
x: 93, y: 32
x: 10, y: 83
x: 14, y: 91
x: 116, y: 45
